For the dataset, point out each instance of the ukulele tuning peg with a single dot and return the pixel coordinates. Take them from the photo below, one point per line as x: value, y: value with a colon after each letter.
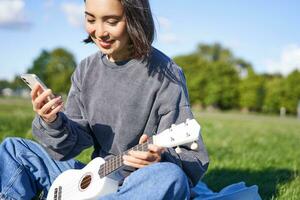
x: 172, y: 127
x: 186, y: 121
x: 194, y: 146
x: 178, y: 150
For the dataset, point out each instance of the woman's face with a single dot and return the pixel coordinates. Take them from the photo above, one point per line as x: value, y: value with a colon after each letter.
x: 106, y: 24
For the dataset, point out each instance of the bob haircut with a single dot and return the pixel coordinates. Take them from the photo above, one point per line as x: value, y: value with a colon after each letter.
x: 140, y: 26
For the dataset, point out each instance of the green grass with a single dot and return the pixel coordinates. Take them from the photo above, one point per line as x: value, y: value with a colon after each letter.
x: 256, y: 149
x: 15, y: 117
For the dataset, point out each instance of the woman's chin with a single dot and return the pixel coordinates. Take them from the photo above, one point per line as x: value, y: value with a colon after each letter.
x: 106, y: 51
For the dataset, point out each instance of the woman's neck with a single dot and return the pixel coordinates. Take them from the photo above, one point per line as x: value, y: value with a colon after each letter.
x: 124, y: 55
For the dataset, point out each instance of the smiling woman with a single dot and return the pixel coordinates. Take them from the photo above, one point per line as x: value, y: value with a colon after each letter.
x: 106, y: 25
x: 120, y: 97
x: 128, y: 20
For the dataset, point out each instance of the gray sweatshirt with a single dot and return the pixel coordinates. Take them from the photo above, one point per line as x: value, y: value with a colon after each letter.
x: 110, y: 105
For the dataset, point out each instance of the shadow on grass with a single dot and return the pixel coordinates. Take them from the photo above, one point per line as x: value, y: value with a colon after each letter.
x: 266, y: 180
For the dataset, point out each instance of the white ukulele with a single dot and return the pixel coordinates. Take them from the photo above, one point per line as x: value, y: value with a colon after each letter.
x: 91, y: 181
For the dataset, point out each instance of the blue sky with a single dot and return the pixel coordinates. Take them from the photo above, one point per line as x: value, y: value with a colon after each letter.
x: 265, y: 33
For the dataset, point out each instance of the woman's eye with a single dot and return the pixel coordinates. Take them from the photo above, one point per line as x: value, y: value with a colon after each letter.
x: 112, y: 22
x: 90, y: 21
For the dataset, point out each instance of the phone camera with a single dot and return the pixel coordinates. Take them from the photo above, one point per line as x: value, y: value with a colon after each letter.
x: 25, y: 81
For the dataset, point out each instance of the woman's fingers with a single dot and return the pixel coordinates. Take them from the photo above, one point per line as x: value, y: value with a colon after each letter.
x: 139, y: 159
x: 35, y: 91
x: 143, y: 139
x: 45, y: 104
x: 156, y: 149
x: 51, y: 105
x: 50, y: 117
x: 143, y: 155
x: 41, y: 99
x: 134, y: 162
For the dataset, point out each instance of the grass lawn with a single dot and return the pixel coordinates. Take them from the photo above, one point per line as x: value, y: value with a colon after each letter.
x: 256, y: 149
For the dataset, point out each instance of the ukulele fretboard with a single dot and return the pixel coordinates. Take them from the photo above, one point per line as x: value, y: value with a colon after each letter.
x: 116, y: 162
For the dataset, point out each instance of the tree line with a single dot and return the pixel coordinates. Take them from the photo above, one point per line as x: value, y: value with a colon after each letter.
x: 215, y: 78
x: 54, y: 68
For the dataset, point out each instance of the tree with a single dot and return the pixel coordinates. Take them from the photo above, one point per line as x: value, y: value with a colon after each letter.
x: 252, y: 92
x: 222, y: 85
x: 4, y: 84
x: 274, y: 94
x: 55, y: 69
x: 17, y: 83
x: 59, y: 70
x: 243, y: 67
x: 211, y: 75
x: 215, y: 53
x: 292, y: 92
x: 194, y: 68
x: 39, y: 65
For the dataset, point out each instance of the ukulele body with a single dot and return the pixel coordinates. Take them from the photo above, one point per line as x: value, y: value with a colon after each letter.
x: 82, y: 184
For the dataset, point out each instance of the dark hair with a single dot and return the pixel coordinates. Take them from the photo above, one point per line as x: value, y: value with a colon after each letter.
x: 140, y: 26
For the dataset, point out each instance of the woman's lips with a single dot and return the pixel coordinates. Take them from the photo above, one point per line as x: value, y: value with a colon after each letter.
x: 105, y: 44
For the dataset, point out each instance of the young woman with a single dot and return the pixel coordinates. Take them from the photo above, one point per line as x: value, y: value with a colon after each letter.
x: 119, y: 97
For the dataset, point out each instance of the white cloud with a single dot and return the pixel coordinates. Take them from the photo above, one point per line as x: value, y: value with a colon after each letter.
x: 75, y: 13
x: 164, y: 31
x: 12, y: 14
x: 288, y: 61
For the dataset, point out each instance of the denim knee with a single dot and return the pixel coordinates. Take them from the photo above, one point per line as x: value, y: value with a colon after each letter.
x: 173, y: 176
x: 9, y: 143
x: 12, y: 144
x: 172, y: 173
x: 159, y: 181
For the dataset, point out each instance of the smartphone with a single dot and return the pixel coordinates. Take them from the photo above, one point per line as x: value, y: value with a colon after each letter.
x: 31, y: 80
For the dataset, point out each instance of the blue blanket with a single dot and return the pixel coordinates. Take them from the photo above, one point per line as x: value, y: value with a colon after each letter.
x: 232, y: 192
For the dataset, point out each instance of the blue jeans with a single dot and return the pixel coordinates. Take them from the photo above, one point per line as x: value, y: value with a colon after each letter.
x: 26, y: 169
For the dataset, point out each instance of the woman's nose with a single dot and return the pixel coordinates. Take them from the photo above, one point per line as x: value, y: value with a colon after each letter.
x: 101, y: 33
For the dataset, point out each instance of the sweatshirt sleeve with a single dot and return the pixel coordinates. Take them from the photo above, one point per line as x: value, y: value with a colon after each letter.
x: 175, y: 109
x: 193, y: 162
x: 70, y: 133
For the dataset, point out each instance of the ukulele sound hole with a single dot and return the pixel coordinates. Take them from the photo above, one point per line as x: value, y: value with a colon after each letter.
x: 85, y: 182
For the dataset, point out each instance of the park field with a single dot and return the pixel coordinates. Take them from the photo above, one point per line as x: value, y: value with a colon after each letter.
x: 256, y: 149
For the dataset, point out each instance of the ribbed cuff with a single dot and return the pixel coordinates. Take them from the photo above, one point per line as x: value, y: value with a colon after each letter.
x: 56, y: 124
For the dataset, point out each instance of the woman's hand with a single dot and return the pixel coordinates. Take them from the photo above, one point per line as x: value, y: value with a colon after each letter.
x: 42, y: 106
x: 139, y: 159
